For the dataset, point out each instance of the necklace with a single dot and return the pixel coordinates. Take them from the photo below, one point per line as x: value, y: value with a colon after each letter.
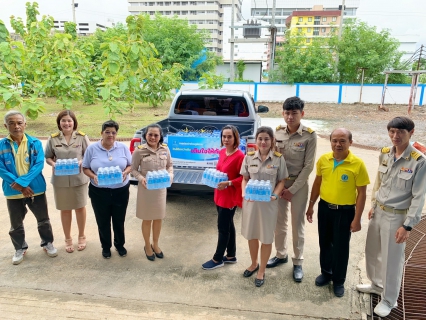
x: 231, y: 153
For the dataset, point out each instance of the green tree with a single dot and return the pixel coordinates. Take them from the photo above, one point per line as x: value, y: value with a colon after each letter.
x: 361, y: 46
x: 298, y: 61
x: 4, y: 33
x: 241, y: 66
x: 210, y: 80
x: 176, y: 42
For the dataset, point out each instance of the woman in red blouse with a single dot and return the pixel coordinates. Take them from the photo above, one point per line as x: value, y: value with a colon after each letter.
x: 227, y: 197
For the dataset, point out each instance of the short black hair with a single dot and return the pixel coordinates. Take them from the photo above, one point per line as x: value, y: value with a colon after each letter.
x: 154, y: 125
x: 110, y: 124
x: 293, y: 103
x: 402, y: 123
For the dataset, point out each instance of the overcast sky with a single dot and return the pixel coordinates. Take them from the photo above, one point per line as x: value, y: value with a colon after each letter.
x: 406, y: 17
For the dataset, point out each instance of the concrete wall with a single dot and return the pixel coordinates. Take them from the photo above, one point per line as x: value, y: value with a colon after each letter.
x: 332, y: 93
x: 253, y: 70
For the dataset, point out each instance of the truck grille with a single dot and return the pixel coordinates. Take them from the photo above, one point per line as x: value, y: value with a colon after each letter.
x: 412, y: 297
x: 187, y: 176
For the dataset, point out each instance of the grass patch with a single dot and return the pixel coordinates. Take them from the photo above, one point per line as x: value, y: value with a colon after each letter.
x: 91, y: 117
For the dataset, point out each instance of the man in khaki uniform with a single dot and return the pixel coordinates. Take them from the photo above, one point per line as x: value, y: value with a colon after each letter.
x: 298, y: 145
x: 397, y: 203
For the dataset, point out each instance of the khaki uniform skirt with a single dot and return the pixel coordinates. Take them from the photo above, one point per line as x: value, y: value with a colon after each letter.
x: 151, y: 204
x: 70, y: 198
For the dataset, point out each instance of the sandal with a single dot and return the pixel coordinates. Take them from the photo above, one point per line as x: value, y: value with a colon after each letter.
x: 81, y: 243
x: 69, y: 246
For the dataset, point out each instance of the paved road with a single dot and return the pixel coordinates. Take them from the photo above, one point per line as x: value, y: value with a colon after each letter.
x: 83, y: 285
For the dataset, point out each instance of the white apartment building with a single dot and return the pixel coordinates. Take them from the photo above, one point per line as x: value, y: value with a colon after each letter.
x: 83, y: 28
x: 213, y: 15
x: 262, y: 9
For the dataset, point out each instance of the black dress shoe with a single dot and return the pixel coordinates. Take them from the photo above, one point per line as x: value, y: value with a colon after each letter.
x: 273, y: 262
x: 339, y: 290
x: 297, y: 273
x: 158, y: 255
x: 150, y: 258
x: 322, y: 280
x: 248, y: 273
x: 121, y: 251
x: 106, y: 253
x: 259, y: 282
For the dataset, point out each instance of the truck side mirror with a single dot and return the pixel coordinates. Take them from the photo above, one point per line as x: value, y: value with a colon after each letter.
x: 262, y: 109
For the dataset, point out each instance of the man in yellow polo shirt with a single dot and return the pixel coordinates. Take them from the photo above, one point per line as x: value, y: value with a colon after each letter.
x: 341, y: 183
x: 21, y: 165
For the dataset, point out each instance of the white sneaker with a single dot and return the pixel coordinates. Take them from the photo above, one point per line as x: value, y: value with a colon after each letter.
x: 382, y: 309
x: 368, y: 288
x: 50, y: 250
x: 18, y: 257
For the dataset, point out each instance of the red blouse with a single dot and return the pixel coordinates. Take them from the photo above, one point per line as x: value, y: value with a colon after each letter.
x: 231, y: 165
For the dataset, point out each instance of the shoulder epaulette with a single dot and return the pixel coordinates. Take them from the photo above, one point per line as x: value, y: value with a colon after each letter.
x: 277, y: 154
x: 141, y: 146
x: 310, y: 130
x: 53, y: 135
x: 415, y: 155
x: 81, y: 133
x: 385, y: 150
x: 278, y: 128
x: 251, y: 153
x: 164, y: 144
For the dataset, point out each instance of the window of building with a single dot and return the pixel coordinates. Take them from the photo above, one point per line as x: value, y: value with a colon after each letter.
x: 323, y: 30
x: 167, y: 3
x: 300, y: 19
x: 152, y: 13
x: 219, y: 50
x: 316, y: 31
x: 192, y: 3
x: 309, y: 30
x: 193, y: 12
x: 308, y: 40
x: 176, y: 3
x: 184, y: 13
x: 317, y: 20
x: 167, y: 13
x: 324, y: 19
x: 160, y: 4
x: 309, y: 19
x: 184, y: 3
x: 334, y: 19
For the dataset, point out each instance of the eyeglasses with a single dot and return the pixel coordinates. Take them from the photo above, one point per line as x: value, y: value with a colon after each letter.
x: 112, y: 133
x: 153, y: 135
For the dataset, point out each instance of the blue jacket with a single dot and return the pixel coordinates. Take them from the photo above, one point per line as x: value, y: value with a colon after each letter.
x: 34, y: 178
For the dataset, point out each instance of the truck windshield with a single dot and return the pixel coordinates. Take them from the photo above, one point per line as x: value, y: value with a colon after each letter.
x: 212, y: 106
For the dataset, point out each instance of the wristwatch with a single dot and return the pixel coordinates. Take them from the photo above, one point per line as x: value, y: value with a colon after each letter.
x: 229, y: 183
x: 407, y: 227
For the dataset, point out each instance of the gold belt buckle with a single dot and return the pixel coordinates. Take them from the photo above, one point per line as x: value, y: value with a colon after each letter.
x: 382, y: 207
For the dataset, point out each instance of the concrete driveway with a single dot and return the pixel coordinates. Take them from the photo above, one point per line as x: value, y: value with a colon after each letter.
x: 83, y: 285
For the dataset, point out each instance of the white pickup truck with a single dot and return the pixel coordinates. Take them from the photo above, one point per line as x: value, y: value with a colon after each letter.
x: 198, y: 111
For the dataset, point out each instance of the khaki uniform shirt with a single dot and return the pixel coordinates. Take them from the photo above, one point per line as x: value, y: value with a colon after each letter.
x: 401, y: 183
x: 299, y: 151
x: 272, y: 169
x: 58, y: 148
x: 145, y: 159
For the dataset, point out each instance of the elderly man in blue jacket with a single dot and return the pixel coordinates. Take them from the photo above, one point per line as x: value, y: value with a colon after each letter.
x: 21, y: 165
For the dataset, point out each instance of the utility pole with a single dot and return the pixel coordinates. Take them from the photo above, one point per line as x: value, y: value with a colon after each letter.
x: 231, y: 60
x: 73, y: 11
x: 362, y: 85
x: 420, y: 57
x: 339, y: 35
x: 273, y: 38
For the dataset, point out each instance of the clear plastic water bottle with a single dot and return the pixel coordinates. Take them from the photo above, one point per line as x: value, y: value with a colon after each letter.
x: 118, y: 176
x: 204, y: 178
x: 58, y: 167
x: 256, y: 190
x: 249, y: 190
x: 101, y: 176
x: 149, y: 180
x: 75, y: 166
x: 263, y: 191
x: 155, y: 180
x: 269, y: 189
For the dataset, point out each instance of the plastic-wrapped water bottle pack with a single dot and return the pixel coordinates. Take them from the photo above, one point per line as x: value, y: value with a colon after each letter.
x: 258, y: 190
x: 109, y: 175
x: 212, y: 177
x: 159, y: 179
x: 66, y: 167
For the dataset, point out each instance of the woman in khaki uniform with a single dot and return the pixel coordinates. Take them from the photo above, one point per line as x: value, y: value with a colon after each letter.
x: 260, y: 218
x: 70, y: 192
x: 151, y: 204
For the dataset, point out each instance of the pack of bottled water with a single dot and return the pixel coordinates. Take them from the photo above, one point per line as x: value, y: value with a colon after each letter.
x: 212, y: 177
x: 159, y: 179
x: 243, y: 145
x: 109, y: 175
x: 258, y: 190
x: 66, y: 167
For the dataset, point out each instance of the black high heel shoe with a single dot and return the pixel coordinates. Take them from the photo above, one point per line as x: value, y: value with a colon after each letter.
x: 158, y: 255
x: 150, y: 258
